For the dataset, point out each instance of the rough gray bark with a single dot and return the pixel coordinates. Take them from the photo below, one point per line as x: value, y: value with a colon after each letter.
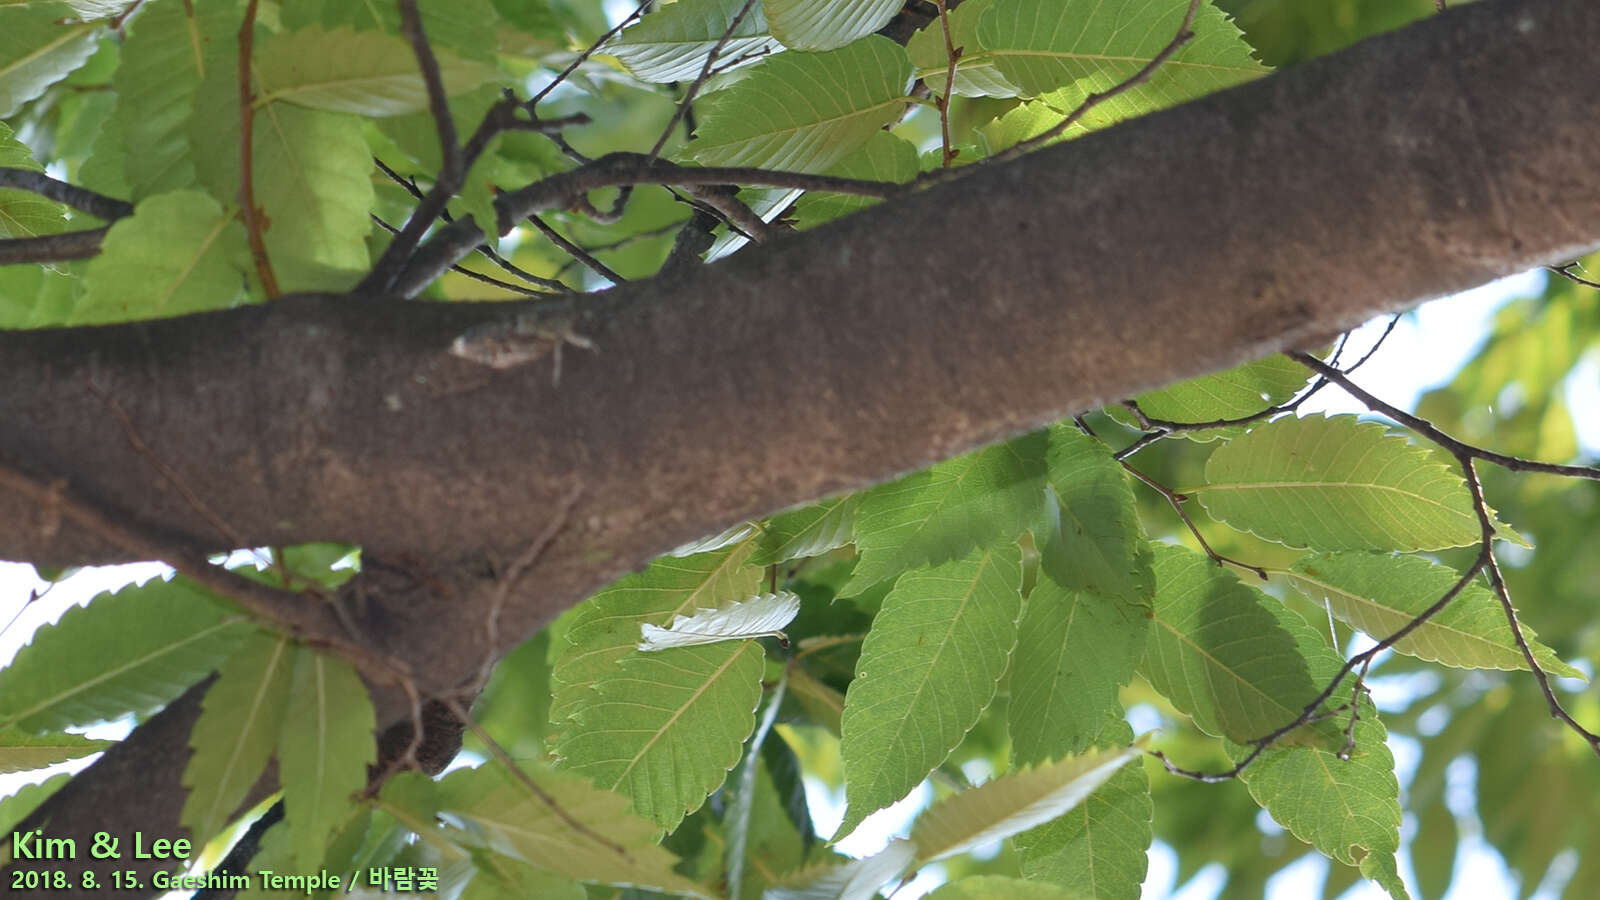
x: 1269, y: 216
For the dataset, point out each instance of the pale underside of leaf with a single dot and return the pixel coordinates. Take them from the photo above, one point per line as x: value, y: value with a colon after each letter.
x: 673, y: 43
x: 826, y: 24
x: 763, y: 615
x: 1013, y: 803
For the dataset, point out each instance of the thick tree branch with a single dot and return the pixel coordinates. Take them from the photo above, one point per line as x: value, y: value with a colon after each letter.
x: 1263, y: 218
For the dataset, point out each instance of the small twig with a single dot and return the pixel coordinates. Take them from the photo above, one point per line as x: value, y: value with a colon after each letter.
x: 1566, y: 272
x: 1177, y: 501
x: 1356, y: 692
x: 1312, y: 710
x: 82, y: 199
x: 1439, y: 5
x: 62, y: 247
x: 460, y: 269
x: 576, y: 252
x: 1503, y: 594
x: 590, y: 51
x: 438, y: 104
x: 1183, y: 36
x: 951, y: 53
x: 253, y: 226
x: 1427, y: 429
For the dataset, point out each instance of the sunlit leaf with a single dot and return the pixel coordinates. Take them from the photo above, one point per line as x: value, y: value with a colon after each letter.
x: 1230, y: 394
x: 976, y: 73
x: 238, y: 729
x: 612, y: 846
x: 884, y: 157
x: 364, y: 72
x: 1094, y: 543
x: 982, y: 499
x: 175, y: 255
x: 1074, y: 650
x: 1333, y: 483
x: 1001, y: 887
x: 1101, y: 846
x: 665, y: 729
x: 21, y: 751
x: 131, y: 651
x: 24, y: 214
x: 605, y: 628
x: 1073, y: 47
x: 808, y: 531
x: 324, y: 749
x: 1380, y: 594
x: 928, y: 668
x: 805, y: 111
x: 1013, y: 803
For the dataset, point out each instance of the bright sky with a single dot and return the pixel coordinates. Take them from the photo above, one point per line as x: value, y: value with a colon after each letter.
x: 1424, y: 351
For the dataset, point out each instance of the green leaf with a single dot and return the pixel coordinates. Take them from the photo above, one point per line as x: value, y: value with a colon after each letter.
x: 1099, y: 848
x: 1013, y: 803
x: 1097, y: 545
x: 1380, y: 594
x: 672, y: 43
x: 1348, y: 809
x: 239, y: 724
x: 976, y: 73
x: 465, y: 26
x: 323, y: 751
x: 39, y: 46
x: 1337, y: 484
x: 804, y: 112
x: 21, y: 752
x: 1217, y: 652
x: 131, y: 651
x: 1075, y: 47
x: 665, y: 729
x: 172, y: 257
x: 983, y: 499
x: 1002, y: 887
x: 858, y: 879
x: 24, y: 214
x: 826, y: 24
x: 613, y: 847
x: 1232, y: 394
x: 363, y: 72
x: 311, y: 181
x: 928, y: 669
x: 1074, y: 650
x: 606, y: 627
x: 163, y: 63
x: 15, y: 808
x: 807, y: 531
x: 884, y: 157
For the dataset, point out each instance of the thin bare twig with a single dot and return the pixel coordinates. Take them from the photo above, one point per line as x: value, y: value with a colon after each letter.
x: 576, y: 252
x: 460, y: 269
x: 62, y: 247
x: 253, y: 226
x: 590, y: 51
x: 951, y: 54
x: 438, y: 105
x: 1566, y: 272
x: 82, y: 199
x: 1455, y: 446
